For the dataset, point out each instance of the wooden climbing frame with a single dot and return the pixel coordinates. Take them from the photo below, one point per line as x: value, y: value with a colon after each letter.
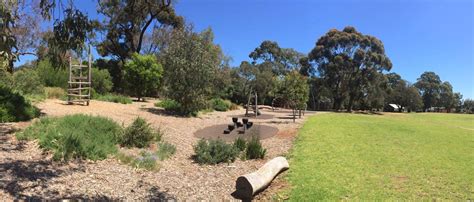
x: 80, y: 78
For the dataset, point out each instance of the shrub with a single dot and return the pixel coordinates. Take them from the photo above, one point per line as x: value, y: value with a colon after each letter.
x: 254, y: 149
x: 234, y: 106
x: 165, y: 150
x: 75, y: 136
x: 101, y: 81
x: 219, y: 104
x: 139, y: 134
x: 14, y: 107
x: 5, y: 78
x: 113, y: 98
x: 54, y: 92
x: 27, y: 81
x: 143, y: 75
x: 50, y: 76
x: 169, y: 105
x: 146, y: 161
x: 240, y: 144
x: 214, y: 152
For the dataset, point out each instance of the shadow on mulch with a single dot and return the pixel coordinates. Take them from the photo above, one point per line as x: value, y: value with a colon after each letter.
x: 160, y: 112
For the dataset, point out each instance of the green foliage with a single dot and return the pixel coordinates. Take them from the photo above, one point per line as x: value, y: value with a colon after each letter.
x: 143, y: 74
x: 254, y: 149
x: 5, y: 78
x: 191, y: 62
x: 146, y: 161
x: 139, y: 134
x: 50, y: 76
x: 113, y: 98
x: 240, y: 144
x: 429, y: 85
x: 349, y: 52
x: 14, y: 107
x: 398, y: 150
x: 54, y: 92
x: 219, y: 104
x: 169, y: 105
x: 101, y: 81
x: 75, y: 136
x: 165, y: 150
x: 27, y: 81
x: 295, y: 89
x: 214, y: 152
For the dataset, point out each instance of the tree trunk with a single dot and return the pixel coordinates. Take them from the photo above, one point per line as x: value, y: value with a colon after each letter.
x: 247, y: 185
x: 351, y: 102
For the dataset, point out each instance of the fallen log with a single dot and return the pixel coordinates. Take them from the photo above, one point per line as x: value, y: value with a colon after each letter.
x: 247, y: 185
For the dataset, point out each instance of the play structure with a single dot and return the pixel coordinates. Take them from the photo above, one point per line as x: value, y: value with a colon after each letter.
x: 247, y: 185
x: 245, y: 129
x: 254, y: 107
x: 80, y: 80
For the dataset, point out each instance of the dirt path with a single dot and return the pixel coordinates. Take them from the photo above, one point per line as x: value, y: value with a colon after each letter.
x: 27, y: 173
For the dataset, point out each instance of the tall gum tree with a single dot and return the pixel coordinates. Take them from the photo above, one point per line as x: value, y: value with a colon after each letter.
x: 345, y: 59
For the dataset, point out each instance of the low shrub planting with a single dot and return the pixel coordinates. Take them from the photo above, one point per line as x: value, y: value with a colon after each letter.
x: 139, y: 134
x: 165, y: 150
x: 147, y: 161
x: 14, y: 107
x: 113, y: 98
x: 54, y: 92
x: 214, y: 152
x: 75, y: 136
x: 240, y: 144
x: 219, y: 104
x: 254, y: 149
x: 169, y: 105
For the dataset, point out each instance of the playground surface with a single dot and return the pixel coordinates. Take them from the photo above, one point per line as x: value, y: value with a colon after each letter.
x: 26, y: 172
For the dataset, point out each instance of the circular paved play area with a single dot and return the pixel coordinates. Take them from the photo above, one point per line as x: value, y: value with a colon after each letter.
x: 217, y: 132
x: 252, y: 116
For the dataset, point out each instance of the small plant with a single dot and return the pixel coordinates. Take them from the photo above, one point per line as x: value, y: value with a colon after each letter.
x: 214, y: 152
x: 139, y: 134
x: 220, y: 104
x: 146, y: 161
x: 254, y: 149
x: 240, y: 144
x: 54, y: 92
x: 169, y: 105
x: 113, y: 98
x: 102, y: 81
x: 27, y: 81
x: 165, y: 150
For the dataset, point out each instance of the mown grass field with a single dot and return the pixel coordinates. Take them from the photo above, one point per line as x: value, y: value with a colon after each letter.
x: 391, y: 156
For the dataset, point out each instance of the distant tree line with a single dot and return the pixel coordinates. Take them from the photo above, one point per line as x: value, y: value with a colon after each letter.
x: 152, y: 51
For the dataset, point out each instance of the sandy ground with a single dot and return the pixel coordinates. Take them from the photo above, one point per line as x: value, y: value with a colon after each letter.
x: 27, y: 173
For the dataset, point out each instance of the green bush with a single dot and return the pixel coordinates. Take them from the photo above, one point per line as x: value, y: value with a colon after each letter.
x: 165, y: 150
x: 240, y: 144
x: 219, y: 104
x: 50, y: 76
x: 254, y: 149
x: 14, y: 107
x: 27, y: 81
x: 139, y: 134
x: 214, y: 152
x: 169, y: 105
x: 54, y: 92
x: 146, y: 161
x: 113, y: 98
x: 75, y: 136
x: 101, y: 81
x: 143, y: 75
x: 5, y: 78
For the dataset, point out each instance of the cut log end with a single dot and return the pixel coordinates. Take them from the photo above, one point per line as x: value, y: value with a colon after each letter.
x: 248, y: 185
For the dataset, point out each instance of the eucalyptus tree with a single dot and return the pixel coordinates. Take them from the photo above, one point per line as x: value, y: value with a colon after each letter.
x: 347, y: 60
x: 429, y: 85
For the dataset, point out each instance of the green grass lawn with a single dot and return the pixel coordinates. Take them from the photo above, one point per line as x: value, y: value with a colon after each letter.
x: 392, y: 156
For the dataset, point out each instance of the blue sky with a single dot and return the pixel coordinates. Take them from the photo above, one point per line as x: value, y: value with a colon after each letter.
x: 418, y: 36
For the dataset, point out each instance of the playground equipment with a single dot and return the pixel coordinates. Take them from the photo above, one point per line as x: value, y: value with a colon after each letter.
x: 253, y: 107
x: 80, y: 78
